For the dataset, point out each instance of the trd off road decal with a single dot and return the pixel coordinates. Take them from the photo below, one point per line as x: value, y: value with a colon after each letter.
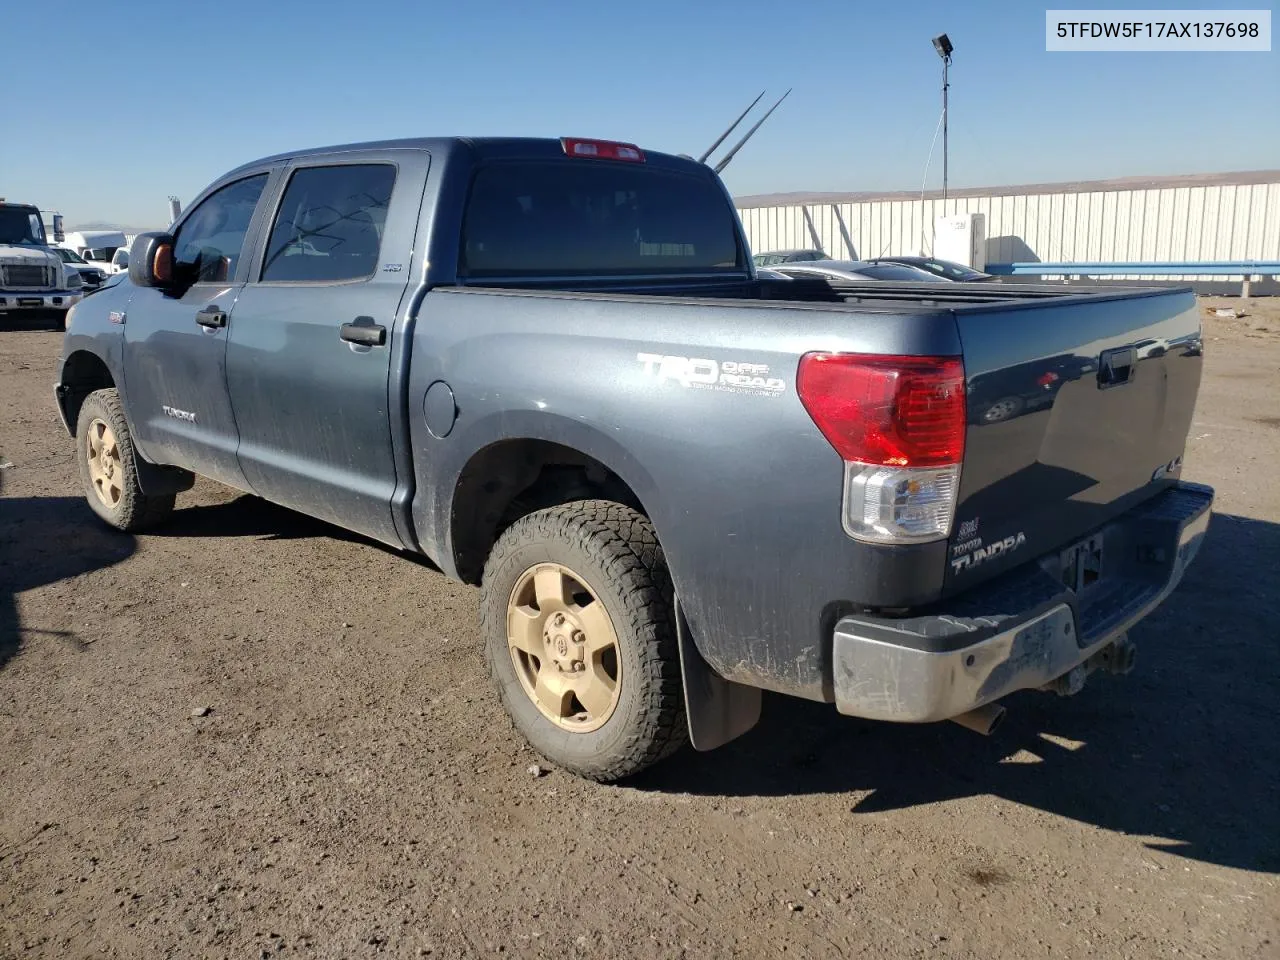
x: 726, y: 376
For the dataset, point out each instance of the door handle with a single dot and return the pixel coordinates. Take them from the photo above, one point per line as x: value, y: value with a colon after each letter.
x: 365, y: 332
x: 212, y: 317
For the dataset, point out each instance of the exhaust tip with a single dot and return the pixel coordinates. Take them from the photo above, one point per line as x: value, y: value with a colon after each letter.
x: 983, y: 720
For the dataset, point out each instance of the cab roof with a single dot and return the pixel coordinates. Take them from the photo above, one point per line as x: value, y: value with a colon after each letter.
x: 481, y: 148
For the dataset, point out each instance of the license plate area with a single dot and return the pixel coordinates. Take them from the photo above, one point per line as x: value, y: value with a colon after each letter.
x: 1081, y: 564
x: 31, y: 301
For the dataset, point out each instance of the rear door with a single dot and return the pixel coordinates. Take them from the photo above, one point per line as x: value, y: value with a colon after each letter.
x: 309, y: 357
x: 176, y: 339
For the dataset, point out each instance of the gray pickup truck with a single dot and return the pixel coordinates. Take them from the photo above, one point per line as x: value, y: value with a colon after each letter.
x: 549, y: 366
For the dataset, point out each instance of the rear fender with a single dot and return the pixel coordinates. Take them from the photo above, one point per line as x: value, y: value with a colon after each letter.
x: 718, y: 710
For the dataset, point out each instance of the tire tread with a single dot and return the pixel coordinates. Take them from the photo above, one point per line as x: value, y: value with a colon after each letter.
x: 137, y: 511
x: 623, y: 542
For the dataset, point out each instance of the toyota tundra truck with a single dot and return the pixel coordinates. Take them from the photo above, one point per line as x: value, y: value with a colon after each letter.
x: 549, y: 366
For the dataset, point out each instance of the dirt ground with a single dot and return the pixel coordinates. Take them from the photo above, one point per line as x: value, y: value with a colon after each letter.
x: 354, y: 788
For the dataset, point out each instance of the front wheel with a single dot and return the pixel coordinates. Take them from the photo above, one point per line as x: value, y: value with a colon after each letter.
x: 580, y: 638
x: 108, y: 467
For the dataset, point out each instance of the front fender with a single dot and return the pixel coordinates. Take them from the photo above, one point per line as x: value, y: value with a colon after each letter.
x: 94, y: 328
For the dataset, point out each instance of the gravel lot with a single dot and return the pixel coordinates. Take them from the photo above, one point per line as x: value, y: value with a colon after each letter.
x: 252, y: 735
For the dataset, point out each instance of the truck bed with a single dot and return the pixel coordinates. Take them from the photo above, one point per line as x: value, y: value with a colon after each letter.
x: 743, y: 488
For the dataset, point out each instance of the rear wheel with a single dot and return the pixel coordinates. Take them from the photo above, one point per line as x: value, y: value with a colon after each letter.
x: 108, y: 467
x: 580, y: 638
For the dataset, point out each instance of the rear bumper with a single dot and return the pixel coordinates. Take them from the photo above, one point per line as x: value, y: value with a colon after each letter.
x: 1023, y: 630
x: 15, y: 301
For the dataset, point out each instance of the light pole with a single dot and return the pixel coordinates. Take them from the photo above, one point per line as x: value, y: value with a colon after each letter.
x: 942, y: 43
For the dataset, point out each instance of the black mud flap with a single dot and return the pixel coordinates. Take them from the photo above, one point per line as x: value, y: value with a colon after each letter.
x: 156, y: 480
x: 719, y: 710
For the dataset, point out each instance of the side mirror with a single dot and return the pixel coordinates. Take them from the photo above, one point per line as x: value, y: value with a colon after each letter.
x: 151, y: 260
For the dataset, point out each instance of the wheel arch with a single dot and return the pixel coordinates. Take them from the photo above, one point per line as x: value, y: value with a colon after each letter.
x: 553, y: 460
x: 83, y: 372
x: 512, y: 476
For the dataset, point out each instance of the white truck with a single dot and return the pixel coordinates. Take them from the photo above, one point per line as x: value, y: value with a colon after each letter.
x: 34, y: 282
x: 107, y: 249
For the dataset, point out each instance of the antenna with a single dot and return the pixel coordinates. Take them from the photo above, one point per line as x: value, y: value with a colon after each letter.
x: 749, y: 134
x: 711, y: 149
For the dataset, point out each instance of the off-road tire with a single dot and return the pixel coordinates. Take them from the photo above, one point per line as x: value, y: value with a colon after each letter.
x: 135, y: 511
x: 615, y: 553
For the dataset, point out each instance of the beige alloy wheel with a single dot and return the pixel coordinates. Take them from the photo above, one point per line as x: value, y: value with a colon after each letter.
x: 564, y: 647
x: 106, y: 472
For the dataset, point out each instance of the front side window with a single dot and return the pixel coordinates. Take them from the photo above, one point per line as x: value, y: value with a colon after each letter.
x: 330, y: 223
x: 209, y: 243
x: 582, y: 218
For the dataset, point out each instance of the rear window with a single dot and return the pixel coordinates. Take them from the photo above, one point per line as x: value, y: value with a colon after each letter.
x: 579, y: 218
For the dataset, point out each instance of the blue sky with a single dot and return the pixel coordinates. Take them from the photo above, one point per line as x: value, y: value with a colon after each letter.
x: 114, y: 112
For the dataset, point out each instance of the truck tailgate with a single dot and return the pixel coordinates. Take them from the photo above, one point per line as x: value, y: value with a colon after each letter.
x: 1077, y: 409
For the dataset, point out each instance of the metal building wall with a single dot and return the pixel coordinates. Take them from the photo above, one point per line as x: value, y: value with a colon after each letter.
x: 1221, y: 222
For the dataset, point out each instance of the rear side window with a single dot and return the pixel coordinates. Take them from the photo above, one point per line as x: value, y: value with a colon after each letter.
x: 329, y: 225
x: 582, y: 218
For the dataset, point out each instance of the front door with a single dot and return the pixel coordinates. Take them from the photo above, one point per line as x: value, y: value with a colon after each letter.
x: 308, y: 361
x: 175, y: 348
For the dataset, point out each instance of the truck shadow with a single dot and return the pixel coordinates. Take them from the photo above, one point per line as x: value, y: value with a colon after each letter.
x: 250, y: 516
x: 44, y: 540
x: 19, y: 321
x: 1183, y: 752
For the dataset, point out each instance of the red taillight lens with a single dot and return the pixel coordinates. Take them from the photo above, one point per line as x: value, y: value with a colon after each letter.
x: 601, y: 149
x: 892, y: 411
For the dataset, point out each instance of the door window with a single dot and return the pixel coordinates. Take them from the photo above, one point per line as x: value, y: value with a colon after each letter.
x: 330, y: 223
x: 209, y: 243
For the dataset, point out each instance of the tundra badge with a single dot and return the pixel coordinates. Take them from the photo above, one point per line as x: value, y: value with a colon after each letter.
x: 177, y: 414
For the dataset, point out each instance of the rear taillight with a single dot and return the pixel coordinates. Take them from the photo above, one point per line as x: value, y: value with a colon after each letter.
x: 601, y: 149
x: 899, y: 425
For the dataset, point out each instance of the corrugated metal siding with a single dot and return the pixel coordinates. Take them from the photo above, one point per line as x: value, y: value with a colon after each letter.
x: 1183, y: 223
